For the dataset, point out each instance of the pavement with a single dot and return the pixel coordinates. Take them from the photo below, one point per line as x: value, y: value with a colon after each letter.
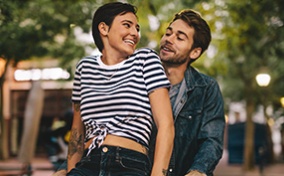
x: 42, y: 167
x: 226, y: 169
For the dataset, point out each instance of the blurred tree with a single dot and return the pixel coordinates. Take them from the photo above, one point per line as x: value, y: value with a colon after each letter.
x: 252, y: 40
x: 39, y: 28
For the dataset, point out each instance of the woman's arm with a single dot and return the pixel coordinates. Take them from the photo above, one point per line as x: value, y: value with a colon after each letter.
x: 76, y: 143
x: 162, y: 113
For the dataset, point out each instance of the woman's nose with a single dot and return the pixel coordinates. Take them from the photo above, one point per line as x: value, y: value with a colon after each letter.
x: 134, y: 31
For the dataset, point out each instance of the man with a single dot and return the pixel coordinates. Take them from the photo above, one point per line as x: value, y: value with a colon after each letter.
x: 196, y: 99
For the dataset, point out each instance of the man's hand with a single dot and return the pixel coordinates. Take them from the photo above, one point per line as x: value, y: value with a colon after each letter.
x: 60, y: 173
x: 195, y: 173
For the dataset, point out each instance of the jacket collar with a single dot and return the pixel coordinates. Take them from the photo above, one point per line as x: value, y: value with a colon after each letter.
x: 193, y: 78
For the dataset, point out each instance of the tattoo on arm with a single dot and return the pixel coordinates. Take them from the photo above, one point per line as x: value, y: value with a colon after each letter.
x: 165, y: 172
x: 76, y: 143
x: 77, y: 106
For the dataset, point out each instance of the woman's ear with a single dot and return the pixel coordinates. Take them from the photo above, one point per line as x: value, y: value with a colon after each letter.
x: 103, y: 28
x: 195, y: 53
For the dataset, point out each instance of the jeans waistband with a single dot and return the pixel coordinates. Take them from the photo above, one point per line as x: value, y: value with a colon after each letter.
x: 115, y: 150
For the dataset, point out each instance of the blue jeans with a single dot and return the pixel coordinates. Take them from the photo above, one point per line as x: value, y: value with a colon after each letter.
x: 113, y: 161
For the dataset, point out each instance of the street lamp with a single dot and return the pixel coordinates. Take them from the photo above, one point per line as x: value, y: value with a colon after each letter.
x: 263, y: 79
x: 282, y: 101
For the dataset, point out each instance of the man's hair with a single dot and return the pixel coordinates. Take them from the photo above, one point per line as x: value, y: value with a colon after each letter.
x: 202, y: 33
x: 106, y: 13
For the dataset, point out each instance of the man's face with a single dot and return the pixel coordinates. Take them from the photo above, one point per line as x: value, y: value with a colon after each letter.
x: 176, y: 43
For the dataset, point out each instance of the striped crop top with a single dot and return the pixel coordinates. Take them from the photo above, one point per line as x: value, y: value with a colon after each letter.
x: 114, y: 99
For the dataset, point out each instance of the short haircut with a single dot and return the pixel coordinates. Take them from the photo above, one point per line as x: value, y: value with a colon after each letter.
x: 202, y: 33
x: 106, y: 13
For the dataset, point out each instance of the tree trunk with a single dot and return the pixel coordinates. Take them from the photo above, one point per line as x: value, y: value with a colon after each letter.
x: 3, y: 137
x: 269, y: 148
x: 32, y: 116
x: 4, y: 149
x: 249, y: 161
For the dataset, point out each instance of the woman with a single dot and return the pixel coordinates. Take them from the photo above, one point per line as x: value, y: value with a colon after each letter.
x: 116, y: 99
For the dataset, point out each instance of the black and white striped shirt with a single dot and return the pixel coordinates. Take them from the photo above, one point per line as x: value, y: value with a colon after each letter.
x: 115, y: 99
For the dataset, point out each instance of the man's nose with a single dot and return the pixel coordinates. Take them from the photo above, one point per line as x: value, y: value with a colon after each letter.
x: 169, y: 38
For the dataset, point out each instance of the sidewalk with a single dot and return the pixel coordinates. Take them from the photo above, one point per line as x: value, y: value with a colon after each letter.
x: 12, y: 167
x: 225, y: 169
x: 42, y: 167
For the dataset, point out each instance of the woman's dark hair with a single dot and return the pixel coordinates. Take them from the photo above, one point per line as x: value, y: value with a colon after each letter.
x: 106, y: 13
x: 202, y: 33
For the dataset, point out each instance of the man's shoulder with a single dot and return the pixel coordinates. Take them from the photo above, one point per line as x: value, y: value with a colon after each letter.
x: 201, y: 78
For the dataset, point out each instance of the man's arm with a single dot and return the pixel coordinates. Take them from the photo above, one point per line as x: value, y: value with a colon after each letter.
x: 195, y: 173
x: 211, y: 135
x: 62, y: 172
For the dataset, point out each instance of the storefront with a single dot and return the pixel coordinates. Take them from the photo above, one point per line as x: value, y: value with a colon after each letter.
x: 56, y: 83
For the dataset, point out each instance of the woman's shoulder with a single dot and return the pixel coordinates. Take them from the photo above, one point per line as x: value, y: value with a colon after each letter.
x: 145, y: 51
x: 89, y: 59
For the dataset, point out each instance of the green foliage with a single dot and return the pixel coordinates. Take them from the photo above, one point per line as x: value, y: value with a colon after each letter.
x: 160, y: 10
x: 246, y: 36
x: 32, y: 28
x: 254, y: 40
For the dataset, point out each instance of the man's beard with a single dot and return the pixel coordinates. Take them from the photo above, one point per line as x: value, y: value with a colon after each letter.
x: 174, y: 62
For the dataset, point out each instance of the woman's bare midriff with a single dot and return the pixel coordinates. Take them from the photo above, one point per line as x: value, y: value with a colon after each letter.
x: 123, y: 142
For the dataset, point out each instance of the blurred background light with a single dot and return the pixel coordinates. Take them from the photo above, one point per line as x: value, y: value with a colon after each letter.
x: 263, y: 79
x: 55, y: 73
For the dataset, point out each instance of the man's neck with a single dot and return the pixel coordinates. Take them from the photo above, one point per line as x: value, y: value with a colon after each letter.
x: 175, y: 74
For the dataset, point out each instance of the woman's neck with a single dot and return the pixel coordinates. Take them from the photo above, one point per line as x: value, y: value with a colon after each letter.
x: 111, y: 58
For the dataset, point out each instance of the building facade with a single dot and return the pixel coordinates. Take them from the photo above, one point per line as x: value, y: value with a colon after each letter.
x: 57, y: 85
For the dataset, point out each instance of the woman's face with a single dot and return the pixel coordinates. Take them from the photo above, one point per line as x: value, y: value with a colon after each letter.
x: 123, y: 35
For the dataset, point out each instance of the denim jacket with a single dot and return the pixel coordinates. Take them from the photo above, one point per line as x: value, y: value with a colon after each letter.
x: 199, y: 126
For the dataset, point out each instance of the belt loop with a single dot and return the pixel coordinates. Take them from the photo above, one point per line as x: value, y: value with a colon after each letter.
x: 117, y: 153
